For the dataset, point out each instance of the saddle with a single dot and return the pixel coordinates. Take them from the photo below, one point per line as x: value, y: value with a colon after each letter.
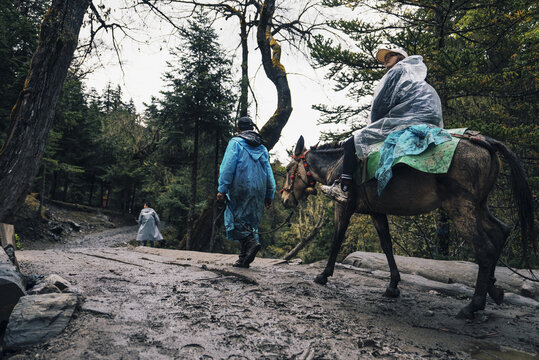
x: 436, y: 159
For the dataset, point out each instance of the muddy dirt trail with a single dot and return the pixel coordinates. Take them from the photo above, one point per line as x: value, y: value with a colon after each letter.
x: 144, y: 303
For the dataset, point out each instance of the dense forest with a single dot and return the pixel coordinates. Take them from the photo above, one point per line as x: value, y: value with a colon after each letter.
x: 101, y: 152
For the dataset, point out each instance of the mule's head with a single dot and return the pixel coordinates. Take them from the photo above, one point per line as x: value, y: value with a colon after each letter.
x: 299, y: 181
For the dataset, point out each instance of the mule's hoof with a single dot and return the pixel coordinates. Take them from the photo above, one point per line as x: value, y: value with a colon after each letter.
x: 465, y: 313
x: 321, y: 279
x: 392, y: 292
x: 497, y: 294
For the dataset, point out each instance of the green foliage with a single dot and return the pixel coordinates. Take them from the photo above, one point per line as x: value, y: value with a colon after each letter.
x: 171, y: 238
x: 310, y: 212
x: 19, y: 27
x: 360, y: 236
x: 18, y: 243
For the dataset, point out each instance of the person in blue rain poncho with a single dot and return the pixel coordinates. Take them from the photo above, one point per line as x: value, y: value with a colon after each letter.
x: 401, y: 100
x: 246, y: 182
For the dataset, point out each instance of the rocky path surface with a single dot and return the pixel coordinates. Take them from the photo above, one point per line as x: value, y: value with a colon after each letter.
x: 144, y: 303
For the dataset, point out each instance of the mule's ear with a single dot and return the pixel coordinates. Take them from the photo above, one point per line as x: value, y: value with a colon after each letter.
x: 299, y: 146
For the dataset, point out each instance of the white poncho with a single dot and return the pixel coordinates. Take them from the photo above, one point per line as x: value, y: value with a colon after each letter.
x: 401, y: 99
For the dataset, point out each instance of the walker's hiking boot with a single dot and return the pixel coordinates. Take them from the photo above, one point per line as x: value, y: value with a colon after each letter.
x: 338, y: 191
x: 241, y: 260
x: 240, y: 263
x: 252, y: 247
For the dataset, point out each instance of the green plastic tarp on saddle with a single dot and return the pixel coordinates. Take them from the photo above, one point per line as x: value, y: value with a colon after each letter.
x: 435, y: 160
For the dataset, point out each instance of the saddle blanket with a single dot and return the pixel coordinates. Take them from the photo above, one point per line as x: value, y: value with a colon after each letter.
x: 435, y: 159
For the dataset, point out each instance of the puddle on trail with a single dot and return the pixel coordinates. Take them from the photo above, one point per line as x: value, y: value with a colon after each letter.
x: 488, y: 351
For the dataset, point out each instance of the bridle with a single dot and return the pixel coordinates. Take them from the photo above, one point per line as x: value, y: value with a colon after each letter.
x: 310, y: 179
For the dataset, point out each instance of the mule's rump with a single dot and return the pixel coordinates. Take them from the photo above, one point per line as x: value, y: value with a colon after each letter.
x: 472, y: 175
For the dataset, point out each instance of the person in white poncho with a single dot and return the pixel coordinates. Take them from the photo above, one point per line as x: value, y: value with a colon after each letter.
x: 402, y: 98
x: 148, y: 231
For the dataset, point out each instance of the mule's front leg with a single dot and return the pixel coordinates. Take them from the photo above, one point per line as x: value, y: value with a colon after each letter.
x: 382, y: 227
x: 343, y: 212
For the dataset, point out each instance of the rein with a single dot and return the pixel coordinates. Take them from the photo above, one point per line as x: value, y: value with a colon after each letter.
x: 310, y: 179
x: 252, y: 231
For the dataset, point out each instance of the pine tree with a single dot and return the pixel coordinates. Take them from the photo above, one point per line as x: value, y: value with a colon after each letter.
x: 196, y: 110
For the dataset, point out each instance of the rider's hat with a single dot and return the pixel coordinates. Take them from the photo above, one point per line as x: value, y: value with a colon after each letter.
x: 381, y: 54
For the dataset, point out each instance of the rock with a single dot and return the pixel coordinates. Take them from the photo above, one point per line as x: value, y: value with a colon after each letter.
x: 44, y: 288
x: 51, y: 284
x: 11, y: 287
x: 57, y: 229
x: 37, y: 318
x: 10, y: 251
x: 446, y: 271
x: 366, y: 343
x: 297, y: 261
x: 32, y: 280
x: 527, y: 289
x: 57, y: 280
x: 74, y: 225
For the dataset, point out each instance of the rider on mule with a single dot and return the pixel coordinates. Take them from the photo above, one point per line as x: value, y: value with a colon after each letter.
x: 401, y: 99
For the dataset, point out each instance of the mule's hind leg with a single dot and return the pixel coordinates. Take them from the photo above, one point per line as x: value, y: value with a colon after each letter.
x: 470, y: 220
x: 498, y: 233
x: 382, y: 227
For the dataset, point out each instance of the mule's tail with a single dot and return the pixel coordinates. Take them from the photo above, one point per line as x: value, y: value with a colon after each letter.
x: 521, y: 193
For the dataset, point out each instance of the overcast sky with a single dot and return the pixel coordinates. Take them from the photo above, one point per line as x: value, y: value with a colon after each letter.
x: 145, y: 63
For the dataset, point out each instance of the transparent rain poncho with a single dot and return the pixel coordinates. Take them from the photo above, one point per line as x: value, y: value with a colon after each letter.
x: 401, y: 99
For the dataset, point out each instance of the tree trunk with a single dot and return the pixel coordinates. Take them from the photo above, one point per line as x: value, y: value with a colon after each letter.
x: 108, y: 196
x: 33, y: 114
x: 102, y: 197
x: 192, y: 201
x: 244, y: 85
x: 304, y: 241
x: 92, y: 183
x: 215, y: 185
x: 275, y: 71
x: 53, y: 185
x: 66, y: 186
x: 125, y: 200
x: 42, y: 197
x: 271, y: 131
x: 133, y: 195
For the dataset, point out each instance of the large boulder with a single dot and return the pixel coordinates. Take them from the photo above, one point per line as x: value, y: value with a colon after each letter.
x: 37, y: 318
x: 446, y: 271
x: 12, y: 287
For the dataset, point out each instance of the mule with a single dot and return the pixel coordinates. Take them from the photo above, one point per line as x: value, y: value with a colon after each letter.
x: 461, y: 192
